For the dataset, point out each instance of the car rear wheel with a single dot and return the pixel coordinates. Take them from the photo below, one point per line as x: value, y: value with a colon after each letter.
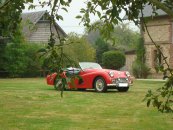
x: 100, y: 84
x: 125, y: 89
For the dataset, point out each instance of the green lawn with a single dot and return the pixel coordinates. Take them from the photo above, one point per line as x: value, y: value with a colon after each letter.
x: 29, y: 104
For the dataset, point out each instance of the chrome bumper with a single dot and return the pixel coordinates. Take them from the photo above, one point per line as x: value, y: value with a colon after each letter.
x: 119, y: 85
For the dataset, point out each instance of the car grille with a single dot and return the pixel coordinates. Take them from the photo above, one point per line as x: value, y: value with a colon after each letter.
x: 120, y: 80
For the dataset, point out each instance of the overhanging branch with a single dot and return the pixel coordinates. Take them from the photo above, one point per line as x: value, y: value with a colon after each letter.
x: 162, y: 6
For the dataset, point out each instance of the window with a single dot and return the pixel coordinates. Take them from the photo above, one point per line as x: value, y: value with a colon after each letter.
x: 157, y: 58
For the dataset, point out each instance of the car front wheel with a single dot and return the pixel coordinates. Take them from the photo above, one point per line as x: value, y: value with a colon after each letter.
x: 100, y: 84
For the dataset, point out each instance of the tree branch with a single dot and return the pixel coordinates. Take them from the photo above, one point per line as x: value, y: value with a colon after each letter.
x: 5, y: 4
x: 162, y: 6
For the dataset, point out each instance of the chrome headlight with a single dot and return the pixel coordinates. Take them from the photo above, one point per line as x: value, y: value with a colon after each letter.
x: 111, y: 74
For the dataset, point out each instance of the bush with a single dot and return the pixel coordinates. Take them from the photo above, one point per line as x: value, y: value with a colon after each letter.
x: 140, y: 70
x: 113, y: 59
x: 21, y: 61
x: 101, y: 47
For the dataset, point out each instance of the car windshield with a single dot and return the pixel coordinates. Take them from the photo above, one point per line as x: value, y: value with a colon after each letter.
x: 89, y: 65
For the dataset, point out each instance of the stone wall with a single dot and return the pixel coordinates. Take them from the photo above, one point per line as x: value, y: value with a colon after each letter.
x: 160, y: 29
x: 130, y: 58
x: 149, y: 55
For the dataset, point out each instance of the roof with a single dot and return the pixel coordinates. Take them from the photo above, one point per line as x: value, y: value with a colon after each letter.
x: 148, y: 11
x: 34, y: 17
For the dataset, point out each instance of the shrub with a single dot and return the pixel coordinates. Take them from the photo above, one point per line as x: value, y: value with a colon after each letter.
x: 101, y: 47
x: 113, y: 59
x: 140, y: 70
x: 21, y: 61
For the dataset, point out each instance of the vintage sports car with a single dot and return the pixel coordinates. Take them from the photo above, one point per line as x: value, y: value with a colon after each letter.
x: 93, y: 76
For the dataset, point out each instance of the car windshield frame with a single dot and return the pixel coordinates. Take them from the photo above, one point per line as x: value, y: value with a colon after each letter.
x: 89, y: 65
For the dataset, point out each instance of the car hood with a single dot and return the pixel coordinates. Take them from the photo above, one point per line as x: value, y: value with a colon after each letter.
x: 116, y: 73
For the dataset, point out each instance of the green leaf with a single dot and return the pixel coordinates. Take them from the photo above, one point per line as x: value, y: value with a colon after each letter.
x: 42, y: 50
x: 148, y: 102
x: 78, y: 17
x: 99, y: 14
x: 62, y: 2
x: 64, y: 9
x: 58, y: 17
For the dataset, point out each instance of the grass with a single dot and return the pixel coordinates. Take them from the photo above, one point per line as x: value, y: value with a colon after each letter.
x: 29, y: 104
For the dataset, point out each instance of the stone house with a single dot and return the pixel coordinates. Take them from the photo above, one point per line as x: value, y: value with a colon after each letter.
x: 160, y: 28
x: 36, y: 27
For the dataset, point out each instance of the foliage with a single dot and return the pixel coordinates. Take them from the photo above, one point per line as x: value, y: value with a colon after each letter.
x: 16, y: 62
x: 140, y: 51
x: 35, y: 65
x: 79, y: 49
x: 139, y: 68
x: 10, y: 11
x: 113, y: 59
x: 124, y: 37
x: 20, y: 57
x: 92, y: 36
x: 101, y: 47
x: 21, y: 60
x: 111, y: 12
x: 2, y: 51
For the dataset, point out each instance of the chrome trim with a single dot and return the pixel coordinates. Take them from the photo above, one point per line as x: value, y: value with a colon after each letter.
x: 111, y: 84
x: 116, y: 85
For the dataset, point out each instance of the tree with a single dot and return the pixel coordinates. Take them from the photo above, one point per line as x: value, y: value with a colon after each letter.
x: 92, y: 36
x: 139, y: 68
x: 113, y: 60
x: 101, y: 47
x: 124, y: 37
x: 79, y: 49
x: 20, y: 60
x: 10, y: 11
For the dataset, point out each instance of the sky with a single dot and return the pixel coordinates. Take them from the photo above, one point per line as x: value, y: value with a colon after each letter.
x: 70, y: 23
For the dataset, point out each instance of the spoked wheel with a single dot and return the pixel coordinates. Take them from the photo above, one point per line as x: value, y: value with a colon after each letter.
x: 100, y: 85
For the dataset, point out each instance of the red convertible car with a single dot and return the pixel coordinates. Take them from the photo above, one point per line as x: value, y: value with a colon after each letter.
x: 93, y: 76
